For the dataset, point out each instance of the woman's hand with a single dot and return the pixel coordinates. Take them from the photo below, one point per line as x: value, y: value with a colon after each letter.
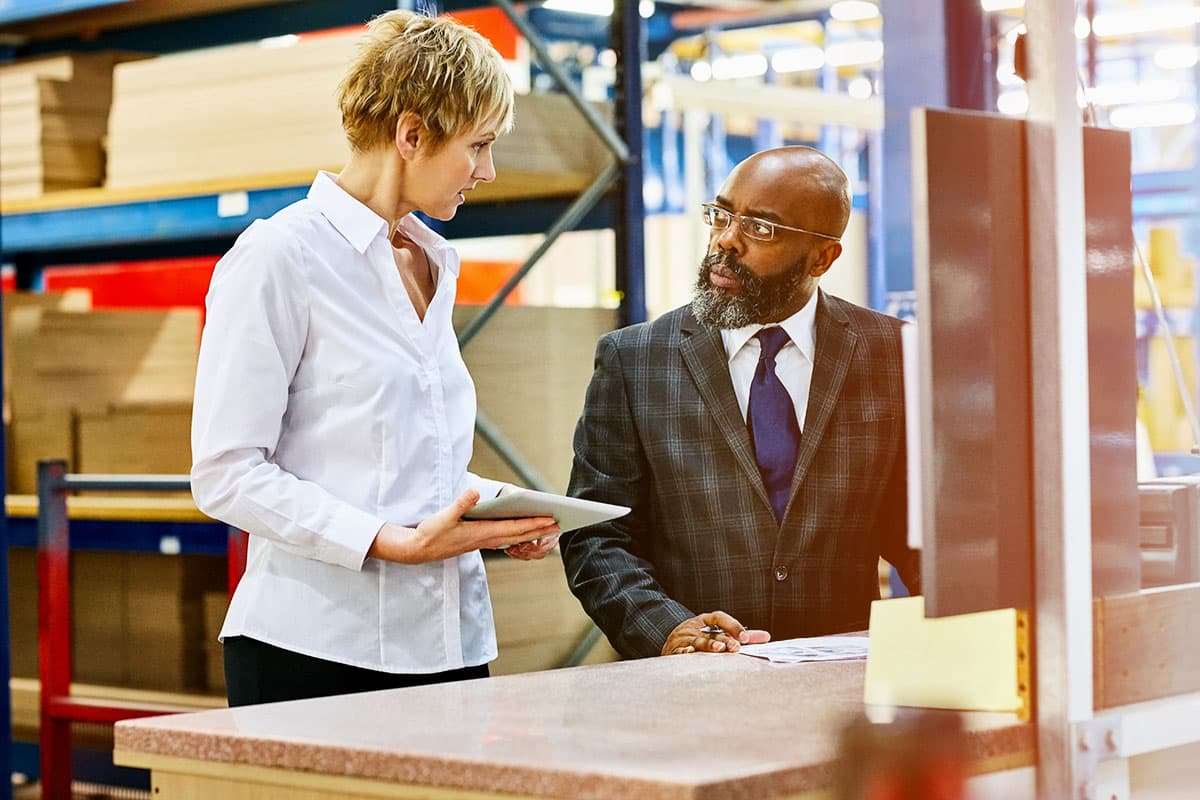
x: 446, y: 534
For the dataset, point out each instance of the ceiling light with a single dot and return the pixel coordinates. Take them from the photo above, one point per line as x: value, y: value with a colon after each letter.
x: 845, y: 54
x: 798, y: 59
x: 1158, y: 18
x: 599, y: 8
x: 1118, y: 94
x: 1153, y: 116
x: 745, y: 66
x: 1176, y: 56
x: 1014, y: 103
x: 853, y: 10
x: 860, y: 88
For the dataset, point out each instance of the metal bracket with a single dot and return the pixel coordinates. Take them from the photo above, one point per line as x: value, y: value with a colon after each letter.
x: 1093, y: 741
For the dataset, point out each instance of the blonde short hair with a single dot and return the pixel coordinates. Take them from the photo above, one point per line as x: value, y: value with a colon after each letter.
x: 439, y: 69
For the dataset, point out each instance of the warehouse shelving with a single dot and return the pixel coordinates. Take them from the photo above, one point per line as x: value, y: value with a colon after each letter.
x: 91, y: 224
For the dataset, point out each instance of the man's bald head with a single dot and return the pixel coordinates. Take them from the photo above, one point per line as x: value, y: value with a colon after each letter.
x: 813, y: 191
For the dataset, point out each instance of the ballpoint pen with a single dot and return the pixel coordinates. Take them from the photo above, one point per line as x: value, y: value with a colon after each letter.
x: 712, y: 630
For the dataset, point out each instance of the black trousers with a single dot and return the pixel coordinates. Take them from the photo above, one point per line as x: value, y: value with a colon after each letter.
x: 256, y: 672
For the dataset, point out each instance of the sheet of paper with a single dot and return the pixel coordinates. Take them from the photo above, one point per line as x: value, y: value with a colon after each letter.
x: 814, y: 648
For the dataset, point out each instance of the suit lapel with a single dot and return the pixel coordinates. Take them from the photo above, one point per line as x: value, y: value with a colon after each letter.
x: 835, y: 344
x: 705, y: 357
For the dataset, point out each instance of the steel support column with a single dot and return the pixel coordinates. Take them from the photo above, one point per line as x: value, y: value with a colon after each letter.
x: 626, y: 37
x: 5, y: 655
x: 936, y: 59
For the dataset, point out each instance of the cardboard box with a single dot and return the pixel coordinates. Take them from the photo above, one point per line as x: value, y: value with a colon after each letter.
x: 35, y: 437
x: 102, y: 358
x: 139, y: 438
x: 539, y: 425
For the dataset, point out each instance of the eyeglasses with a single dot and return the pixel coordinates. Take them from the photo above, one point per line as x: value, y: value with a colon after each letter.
x: 761, y: 229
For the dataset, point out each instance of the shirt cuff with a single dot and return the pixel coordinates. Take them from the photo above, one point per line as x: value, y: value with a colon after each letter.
x: 348, y: 537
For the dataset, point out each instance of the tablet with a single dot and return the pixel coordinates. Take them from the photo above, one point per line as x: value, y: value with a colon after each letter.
x: 569, y: 512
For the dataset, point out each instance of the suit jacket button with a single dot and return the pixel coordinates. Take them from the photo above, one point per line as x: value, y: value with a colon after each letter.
x: 781, y: 573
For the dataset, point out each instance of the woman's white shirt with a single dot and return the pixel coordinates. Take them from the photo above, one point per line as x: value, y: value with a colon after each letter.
x: 324, y: 408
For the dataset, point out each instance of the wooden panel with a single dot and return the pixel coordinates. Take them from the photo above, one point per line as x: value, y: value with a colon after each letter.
x: 531, y: 367
x: 971, y: 276
x: 1146, y: 645
x: 972, y: 279
x: 1112, y: 362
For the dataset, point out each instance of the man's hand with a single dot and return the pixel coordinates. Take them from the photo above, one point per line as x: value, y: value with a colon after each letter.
x: 689, y: 636
x: 533, y: 550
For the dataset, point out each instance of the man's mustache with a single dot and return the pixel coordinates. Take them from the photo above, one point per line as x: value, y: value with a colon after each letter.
x: 727, y: 263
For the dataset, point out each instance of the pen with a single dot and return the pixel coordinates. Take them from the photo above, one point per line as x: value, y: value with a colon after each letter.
x: 712, y: 630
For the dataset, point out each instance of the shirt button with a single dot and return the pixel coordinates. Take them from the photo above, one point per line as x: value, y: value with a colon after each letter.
x: 781, y: 573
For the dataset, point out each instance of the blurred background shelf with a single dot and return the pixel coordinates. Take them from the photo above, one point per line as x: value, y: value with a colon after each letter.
x: 220, y: 210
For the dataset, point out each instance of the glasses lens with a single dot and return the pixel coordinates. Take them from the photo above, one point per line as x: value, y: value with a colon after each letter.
x: 715, y: 217
x: 757, y: 228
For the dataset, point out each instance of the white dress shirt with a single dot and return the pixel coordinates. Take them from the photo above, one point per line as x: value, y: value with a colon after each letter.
x: 793, y: 365
x: 325, y: 407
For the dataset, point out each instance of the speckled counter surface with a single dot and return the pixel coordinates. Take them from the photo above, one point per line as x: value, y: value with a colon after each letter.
x: 705, y: 726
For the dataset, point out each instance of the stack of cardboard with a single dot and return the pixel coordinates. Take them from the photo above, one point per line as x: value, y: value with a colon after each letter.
x: 228, y: 112
x: 247, y: 111
x: 110, y: 391
x: 53, y: 118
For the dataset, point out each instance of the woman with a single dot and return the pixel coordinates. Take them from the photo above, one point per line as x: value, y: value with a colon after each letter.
x: 334, y: 416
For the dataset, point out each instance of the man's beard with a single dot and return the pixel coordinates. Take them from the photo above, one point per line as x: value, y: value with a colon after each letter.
x: 759, y: 300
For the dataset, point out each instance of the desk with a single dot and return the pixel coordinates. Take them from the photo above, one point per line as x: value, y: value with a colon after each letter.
x: 694, y: 727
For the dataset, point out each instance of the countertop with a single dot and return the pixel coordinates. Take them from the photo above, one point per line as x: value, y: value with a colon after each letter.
x: 694, y: 727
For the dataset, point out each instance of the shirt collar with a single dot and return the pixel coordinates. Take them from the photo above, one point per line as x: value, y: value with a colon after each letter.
x: 358, y: 224
x: 800, y: 327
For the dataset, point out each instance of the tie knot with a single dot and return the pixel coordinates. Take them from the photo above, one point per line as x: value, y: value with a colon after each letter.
x: 772, y: 341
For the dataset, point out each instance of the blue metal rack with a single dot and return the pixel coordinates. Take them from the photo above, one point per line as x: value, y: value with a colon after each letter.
x: 12, y: 11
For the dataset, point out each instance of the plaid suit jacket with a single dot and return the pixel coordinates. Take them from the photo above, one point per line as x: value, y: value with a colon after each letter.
x: 661, y: 432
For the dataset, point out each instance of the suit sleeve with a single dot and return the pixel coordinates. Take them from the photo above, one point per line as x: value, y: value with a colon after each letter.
x: 892, y: 523
x: 605, y: 565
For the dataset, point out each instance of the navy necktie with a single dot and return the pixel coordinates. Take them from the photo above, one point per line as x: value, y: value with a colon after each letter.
x: 772, y: 420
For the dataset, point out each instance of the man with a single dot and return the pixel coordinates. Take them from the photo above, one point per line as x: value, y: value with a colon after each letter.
x: 766, y: 472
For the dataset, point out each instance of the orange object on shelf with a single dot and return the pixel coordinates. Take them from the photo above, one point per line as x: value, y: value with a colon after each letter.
x: 478, y: 281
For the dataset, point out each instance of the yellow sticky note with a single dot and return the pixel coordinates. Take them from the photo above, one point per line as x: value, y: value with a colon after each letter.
x: 968, y: 662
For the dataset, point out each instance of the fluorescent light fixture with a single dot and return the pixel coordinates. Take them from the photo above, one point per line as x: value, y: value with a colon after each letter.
x: 749, y: 65
x: 1141, y: 92
x: 853, y: 10
x: 1157, y: 18
x: 1176, y: 56
x: 1014, y: 103
x: 798, y: 59
x: 845, y: 54
x: 276, y: 42
x: 1001, y: 5
x: 1153, y: 116
x: 598, y: 8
